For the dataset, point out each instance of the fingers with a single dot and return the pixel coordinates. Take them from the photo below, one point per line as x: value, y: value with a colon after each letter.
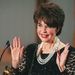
x: 19, y: 42
x: 66, y: 49
x: 61, y: 57
x: 64, y: 54
x: 16, y: 42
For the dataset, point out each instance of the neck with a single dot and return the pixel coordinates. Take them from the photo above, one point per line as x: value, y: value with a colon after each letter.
x: 47, y: 46
x: 50, y: 44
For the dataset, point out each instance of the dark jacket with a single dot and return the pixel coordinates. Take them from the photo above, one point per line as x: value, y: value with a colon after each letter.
x: 30, y: 66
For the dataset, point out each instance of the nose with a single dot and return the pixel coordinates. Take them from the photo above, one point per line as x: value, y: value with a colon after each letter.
x: 44, y: 29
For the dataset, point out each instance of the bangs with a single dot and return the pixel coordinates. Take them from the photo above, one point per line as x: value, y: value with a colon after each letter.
x: 51, y: 21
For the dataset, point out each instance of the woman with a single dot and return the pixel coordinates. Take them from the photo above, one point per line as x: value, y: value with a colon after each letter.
x: 51, y: 56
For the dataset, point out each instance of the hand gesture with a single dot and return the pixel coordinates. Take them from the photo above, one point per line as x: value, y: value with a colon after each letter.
x: 61, y: 58
x: 16, y: 51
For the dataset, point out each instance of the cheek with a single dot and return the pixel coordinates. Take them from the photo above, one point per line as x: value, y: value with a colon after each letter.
x: 52, y: 32
x: 38, y: 30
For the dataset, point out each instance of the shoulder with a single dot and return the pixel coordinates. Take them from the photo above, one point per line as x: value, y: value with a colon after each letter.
x: 31, y: 48
x: 71, y: 52
x: 71, y: 49
x: 71, y: 55
x: 70, y: 63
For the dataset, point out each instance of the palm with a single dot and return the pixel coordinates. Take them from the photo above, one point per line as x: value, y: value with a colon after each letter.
x: 61, y: 58
x: 15, y: 53
x: 16, y: 49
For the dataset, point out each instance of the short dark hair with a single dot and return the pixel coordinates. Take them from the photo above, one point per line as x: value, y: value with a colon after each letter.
x: 51, y: 14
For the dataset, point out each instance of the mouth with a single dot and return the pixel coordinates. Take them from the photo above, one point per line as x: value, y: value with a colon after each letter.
x: 44, y: 35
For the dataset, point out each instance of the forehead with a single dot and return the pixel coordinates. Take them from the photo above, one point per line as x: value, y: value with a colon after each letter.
x: 42, y: 22
x: 45, y: 21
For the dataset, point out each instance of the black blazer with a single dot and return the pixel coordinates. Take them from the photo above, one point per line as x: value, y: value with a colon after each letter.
x: 28, y: 58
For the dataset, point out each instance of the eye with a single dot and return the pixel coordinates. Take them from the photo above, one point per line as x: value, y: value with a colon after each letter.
x: 39, y: 25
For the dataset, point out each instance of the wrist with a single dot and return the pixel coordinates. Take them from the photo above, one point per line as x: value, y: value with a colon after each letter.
x: 62, y: 68
x: 15, y: 64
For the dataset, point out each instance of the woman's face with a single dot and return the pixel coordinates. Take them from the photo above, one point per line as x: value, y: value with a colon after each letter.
x: 45, y: 33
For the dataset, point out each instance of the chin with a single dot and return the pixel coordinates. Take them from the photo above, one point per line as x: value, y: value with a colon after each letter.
x: 44, y: 40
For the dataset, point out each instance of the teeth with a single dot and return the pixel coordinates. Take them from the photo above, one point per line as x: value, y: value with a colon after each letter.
x: 44, y: 35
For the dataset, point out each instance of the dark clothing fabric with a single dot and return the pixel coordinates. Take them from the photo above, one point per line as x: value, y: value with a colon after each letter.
x: 32, y: 67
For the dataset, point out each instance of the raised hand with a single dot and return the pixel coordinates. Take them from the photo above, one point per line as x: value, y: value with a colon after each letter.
x: 61, y: 58
x: 16, y: 51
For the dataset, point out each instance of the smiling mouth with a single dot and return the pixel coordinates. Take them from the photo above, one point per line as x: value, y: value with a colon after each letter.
x: 44, y: 36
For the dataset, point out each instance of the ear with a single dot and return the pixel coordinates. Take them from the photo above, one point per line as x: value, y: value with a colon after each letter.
x: 57, y: 30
